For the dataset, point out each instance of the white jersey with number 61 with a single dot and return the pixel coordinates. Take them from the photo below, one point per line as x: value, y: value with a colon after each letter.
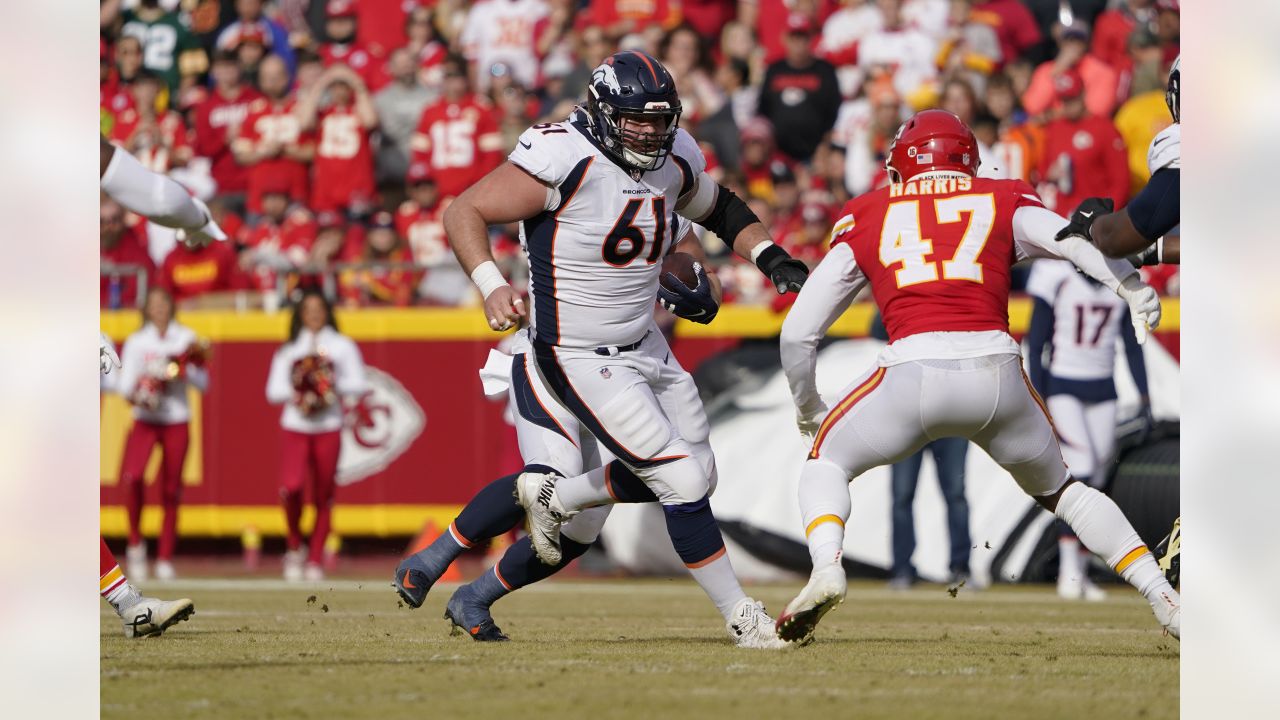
x: 595, y: 250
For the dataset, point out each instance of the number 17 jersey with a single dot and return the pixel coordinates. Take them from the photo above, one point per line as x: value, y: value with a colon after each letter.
x: 937, y: 250
x: 596, y: 249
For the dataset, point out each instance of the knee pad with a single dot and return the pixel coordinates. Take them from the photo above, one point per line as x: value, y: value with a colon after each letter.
x: 680, y: 481
x: 707, y: 460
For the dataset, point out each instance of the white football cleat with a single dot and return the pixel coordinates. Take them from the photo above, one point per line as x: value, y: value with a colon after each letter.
x: 313, y: 573
x: 751, y: 627
x: 825, y: 590
x: 1168, y: 610
x: 135, y: 563
x: 149, y: 617
x: 293, y: 561
x: 164, y: 571
x: 536, y: 493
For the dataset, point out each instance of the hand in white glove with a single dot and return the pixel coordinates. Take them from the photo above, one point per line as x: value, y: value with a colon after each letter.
x: 207, y: 232
x: 808, y: 423
x: 107, y: 357
x: 1144, y: 305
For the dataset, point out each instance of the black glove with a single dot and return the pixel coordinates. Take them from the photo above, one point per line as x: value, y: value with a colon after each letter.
x: 1082, y: 219
x: 697, y: 305
x: 786, y: 272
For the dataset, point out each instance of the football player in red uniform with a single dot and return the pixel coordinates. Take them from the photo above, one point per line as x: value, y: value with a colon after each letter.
x: 271, y: 142
x: 458, y: 136
x: 936, y: 247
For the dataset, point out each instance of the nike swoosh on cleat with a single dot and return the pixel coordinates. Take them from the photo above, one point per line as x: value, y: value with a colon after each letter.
x: 405, y: 581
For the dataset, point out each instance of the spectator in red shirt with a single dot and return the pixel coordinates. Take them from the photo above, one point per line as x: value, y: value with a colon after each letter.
x: 1168, y: 23
x: 419, y: 220
x: 279, y: 241
x: 342, y: 173
x: 1084, y: 155
x: 381, y: 285
x: 458, y: 136
x: 343, y: 48
x: 1100, y: 81
x: 158, y: 138
x: 218, y: 121
x: 271, y: 143
x: 192, y: 269
x: 1014, y: 25
x: 120, y: 248
x: 623, y: 17
x: 1113, y: 28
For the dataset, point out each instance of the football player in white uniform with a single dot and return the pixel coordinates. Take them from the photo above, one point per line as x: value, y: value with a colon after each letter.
x: 1080, y: 322
x: 595, y: 196
x: 551, y: 441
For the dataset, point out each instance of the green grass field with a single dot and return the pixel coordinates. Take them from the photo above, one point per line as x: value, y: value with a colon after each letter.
x: 638, y: 649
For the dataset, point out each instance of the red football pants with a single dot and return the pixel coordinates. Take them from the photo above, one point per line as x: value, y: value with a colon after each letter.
x: 316, y: 456
x: 173, y: 440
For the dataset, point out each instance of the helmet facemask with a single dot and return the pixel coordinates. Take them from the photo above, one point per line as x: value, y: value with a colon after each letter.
x: 641, y: 150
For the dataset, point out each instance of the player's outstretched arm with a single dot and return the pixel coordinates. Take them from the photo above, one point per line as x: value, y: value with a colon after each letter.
x: 1152, y: 214
x: 825, y: 297
x: 507, y: 194
x: 154, y: 196
x: 1035, y: 231
x: 717, y: 208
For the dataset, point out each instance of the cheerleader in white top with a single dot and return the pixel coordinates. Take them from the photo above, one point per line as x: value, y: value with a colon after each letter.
x: 310, y: 374
x: 160, y: 362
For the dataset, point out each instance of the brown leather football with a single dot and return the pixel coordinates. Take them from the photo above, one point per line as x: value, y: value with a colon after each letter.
x: 681, y: 265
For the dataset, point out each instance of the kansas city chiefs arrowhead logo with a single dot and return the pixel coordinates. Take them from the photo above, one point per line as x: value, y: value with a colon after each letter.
x: 374, y: 439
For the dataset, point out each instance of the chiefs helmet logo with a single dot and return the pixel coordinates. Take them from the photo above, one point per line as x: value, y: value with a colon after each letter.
x: 379, y: 428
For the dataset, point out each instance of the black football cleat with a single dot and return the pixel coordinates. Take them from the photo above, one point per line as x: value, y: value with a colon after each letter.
x: 412, y: 582
x: 467, y: 614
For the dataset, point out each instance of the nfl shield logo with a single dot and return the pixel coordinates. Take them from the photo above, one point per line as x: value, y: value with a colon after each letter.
x: 604, y: 373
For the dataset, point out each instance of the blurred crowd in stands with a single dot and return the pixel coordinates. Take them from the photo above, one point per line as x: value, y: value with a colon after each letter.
x: 328, y: 135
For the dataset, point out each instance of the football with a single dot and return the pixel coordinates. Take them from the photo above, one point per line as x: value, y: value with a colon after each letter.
x: 681, y: 265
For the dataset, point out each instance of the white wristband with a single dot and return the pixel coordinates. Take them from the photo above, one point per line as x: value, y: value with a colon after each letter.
x: 488, y: 278
x: 755, y: 251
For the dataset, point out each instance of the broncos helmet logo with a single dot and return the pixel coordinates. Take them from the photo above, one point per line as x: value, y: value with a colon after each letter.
x: 607, y: 75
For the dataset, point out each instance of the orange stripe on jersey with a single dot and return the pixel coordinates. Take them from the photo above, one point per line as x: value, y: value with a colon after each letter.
x: 1131, y: 556
x: 820, y: 520
x: 842, y: 408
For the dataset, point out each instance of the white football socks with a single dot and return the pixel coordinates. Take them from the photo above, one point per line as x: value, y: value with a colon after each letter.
x: 1103, y: 528
x: 718, y: 581
x: 824, y: 509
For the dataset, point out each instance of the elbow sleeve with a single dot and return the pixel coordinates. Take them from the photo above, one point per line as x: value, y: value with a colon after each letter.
x: 729, y: 216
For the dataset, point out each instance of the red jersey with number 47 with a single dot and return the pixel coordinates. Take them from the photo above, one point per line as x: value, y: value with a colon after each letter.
x: 937, y: 252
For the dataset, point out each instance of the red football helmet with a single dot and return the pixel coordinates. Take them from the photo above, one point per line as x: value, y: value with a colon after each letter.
x: 932, y: 140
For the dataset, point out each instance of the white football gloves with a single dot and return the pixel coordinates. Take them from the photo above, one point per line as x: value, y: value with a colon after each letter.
x: 107, y: 357
x: 1144, y: 305
x: 207, y: 232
